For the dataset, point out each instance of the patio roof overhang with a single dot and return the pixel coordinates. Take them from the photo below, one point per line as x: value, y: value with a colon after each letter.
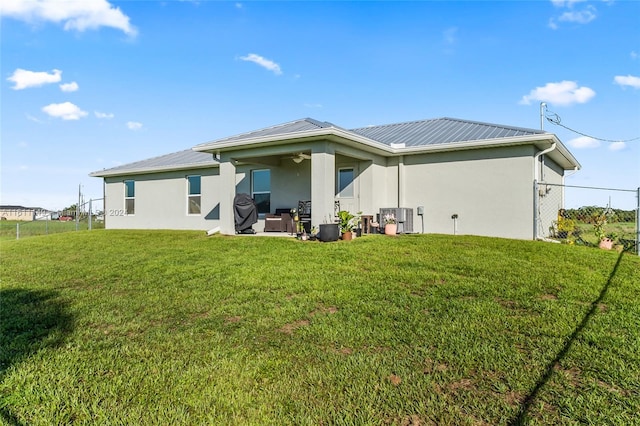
x: 560, y: 155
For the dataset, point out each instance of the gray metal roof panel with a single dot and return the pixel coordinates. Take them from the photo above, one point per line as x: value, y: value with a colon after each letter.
x: 440, y: 131
x: 414, y: 133
x: 280, y: 129
x: 185, y: 158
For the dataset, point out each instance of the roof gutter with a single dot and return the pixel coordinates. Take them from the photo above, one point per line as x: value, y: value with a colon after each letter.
x: 535, y: 160
x: 145, y: 170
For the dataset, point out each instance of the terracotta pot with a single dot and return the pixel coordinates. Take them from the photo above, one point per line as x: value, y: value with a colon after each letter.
x: 606, y: 244
x: 347, y: 236
x: 391, y: 229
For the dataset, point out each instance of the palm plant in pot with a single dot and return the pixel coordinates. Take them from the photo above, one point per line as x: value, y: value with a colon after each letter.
x: 347, y: 223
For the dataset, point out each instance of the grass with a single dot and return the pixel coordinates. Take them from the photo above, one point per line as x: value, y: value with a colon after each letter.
x: 8, y: 228
x: 165, y: 327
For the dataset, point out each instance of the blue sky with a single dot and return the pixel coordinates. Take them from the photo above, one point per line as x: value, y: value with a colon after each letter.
x: 94, y: 84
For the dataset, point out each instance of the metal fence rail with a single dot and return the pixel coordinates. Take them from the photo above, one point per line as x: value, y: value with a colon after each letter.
x: 86, y: 216
x: 561, y: 214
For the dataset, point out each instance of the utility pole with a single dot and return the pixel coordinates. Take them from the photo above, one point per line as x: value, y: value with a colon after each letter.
x: 543, y: 108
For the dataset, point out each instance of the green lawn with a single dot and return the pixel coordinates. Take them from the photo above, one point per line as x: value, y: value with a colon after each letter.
x: 165, y: 327
x: 8, y: 228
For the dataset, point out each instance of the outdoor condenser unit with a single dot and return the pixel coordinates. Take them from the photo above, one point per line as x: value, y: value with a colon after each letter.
x: 404, y: 218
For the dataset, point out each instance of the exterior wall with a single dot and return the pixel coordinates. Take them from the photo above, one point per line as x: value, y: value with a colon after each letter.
x: 550, y: 198
x: 489, y: 189
x: 18, y: 214
x: 161, y: 201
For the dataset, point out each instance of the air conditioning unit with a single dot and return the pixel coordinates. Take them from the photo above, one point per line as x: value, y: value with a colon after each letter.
x: 404, y: 218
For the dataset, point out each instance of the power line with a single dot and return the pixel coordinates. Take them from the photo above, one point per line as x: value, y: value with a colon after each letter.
x: 555, y: 119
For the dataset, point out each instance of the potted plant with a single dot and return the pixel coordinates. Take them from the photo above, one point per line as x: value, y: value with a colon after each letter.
x: 604, y: 242
x: 347, y: 223
x: 565, y: 227
x: 390, y: 224
x: 608, y: 241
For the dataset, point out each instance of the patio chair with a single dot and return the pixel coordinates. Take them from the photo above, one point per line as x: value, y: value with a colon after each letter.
x: 304, y: 214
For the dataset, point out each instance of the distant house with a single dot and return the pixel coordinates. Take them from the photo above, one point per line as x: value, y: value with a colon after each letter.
x: 483, y: 173
x: 25, y: 213
x: 8, y: 212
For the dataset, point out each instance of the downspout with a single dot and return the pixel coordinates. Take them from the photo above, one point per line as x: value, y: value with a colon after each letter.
x: 570, y: 173
x: 535, y: 160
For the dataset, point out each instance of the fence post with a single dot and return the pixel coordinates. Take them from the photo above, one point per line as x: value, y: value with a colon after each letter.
x: 638, y: 221
x: 90, y: 200
x: 535, y: 209
x: 17, y: 231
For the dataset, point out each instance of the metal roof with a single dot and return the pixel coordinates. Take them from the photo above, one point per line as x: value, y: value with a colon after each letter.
x: 440, y: 131
x: 422, y: 133
x: 174, y: 161
x: 302, y: 125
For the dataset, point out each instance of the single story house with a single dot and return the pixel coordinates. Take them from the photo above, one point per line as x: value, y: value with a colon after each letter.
x: 11, y: 212
x: 477, y: 177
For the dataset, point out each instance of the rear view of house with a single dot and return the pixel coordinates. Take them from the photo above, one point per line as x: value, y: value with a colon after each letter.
x: 482, y: 174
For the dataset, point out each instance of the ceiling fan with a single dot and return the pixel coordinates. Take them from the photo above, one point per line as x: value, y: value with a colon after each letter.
x: 299, y: 157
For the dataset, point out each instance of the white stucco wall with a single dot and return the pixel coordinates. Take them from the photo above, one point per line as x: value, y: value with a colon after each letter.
x: 161, y: 201
x: 489, y: 189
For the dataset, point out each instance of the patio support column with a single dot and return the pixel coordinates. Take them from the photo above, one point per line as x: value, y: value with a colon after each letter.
x: 227, y: 193
x: 323, y: 183
x: 400, y: 181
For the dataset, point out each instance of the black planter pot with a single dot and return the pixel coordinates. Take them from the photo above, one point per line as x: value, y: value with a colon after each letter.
x: 329, y: 232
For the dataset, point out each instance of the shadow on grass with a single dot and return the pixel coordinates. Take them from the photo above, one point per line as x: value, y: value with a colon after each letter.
x: 29, y: 321
x: 521, y: 417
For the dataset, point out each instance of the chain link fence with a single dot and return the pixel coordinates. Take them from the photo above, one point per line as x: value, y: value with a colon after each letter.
x: 589, y: 216
x: 86, y: 216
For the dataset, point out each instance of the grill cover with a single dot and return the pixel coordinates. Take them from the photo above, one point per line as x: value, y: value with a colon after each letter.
x: 245, y: 212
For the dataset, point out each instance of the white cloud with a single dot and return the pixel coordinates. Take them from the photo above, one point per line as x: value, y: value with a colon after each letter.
x: 24, y: 79
x: 77, y: 15
x: 69, y: 87
x: 34, y: 119
x: 263, y: 62
x: 104, y: 115
x: 628, y: 80
x: 65, y: 110
x: 564, y: 93
x: 134, y: 125
x: 617, y: 146
x: 449, y: 35
x: 584, y: 142
x: 565, y: 3
x: 583, y: 16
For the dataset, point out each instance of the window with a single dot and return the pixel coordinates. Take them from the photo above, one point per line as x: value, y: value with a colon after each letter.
x: 345, y: 182
x: 129, y: 197
x: 261, y: 189
x: 194, y: 193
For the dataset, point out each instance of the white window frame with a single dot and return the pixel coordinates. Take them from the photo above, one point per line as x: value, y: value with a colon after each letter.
x: 190, y: 195
x: 253, y: 192
x: 131, y: 198
x: 339, y: 192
